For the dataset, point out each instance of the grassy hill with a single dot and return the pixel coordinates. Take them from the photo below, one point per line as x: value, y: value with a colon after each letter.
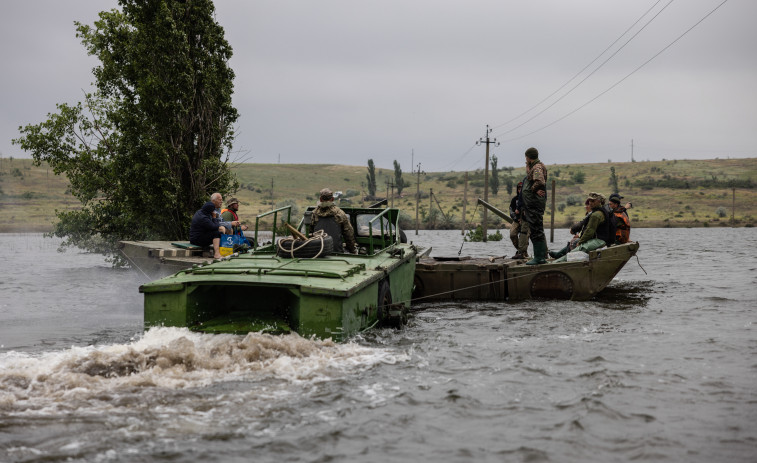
x: 676, y: 193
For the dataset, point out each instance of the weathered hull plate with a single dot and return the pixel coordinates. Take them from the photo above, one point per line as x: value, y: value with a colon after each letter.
x: 333, y: 297
x: 508, y: 280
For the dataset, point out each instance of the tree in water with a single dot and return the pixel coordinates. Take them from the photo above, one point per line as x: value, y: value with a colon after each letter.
x: 494, y: 182
x: 399, y: 182
x: 613, y: 183
x: 150, y: 144
x: 371, y: 178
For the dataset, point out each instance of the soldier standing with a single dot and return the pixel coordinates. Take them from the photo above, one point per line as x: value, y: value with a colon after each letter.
x: 534, y: 202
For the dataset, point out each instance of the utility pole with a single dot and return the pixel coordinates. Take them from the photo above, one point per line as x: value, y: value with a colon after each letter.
x: 418, y: 196
x: 488, y: 142
x: 465, y: 201
x: 632, y: 150
x: 412, y: 160
x: 271, y: 191
x: 390, y: 197
x: 430, y: 203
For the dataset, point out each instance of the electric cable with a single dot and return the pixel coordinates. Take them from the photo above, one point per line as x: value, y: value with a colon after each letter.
x: 590, y: 74
x: 621, y: 80
x: 582, y: 70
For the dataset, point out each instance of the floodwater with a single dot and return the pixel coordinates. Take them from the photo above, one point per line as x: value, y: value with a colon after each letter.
x: 661, y: 366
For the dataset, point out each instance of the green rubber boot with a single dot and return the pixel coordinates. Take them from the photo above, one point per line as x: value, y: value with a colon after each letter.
x: 540, y: 253
x: 558, y: 254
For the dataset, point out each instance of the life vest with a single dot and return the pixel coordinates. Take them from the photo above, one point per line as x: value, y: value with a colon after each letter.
x: 237, y: 230
x: 622, y: 226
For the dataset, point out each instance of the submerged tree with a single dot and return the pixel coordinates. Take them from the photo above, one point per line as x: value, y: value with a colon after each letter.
x: 371, y: 178
x: 613, y: 182
x: 399, y: 182
x: 147, y: 147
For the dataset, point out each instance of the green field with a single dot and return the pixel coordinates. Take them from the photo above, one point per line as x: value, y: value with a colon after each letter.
x: 679, y: 193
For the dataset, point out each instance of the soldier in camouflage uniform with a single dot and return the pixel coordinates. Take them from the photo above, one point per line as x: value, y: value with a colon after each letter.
x: 535, y: 201
x: 327, y: 208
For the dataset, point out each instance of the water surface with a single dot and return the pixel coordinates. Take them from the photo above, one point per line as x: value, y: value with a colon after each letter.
x: 659, y: 367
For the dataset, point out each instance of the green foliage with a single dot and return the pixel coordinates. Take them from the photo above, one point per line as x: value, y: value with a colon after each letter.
x: 509, y: 185
x: 16, y: 172
x: 579, y: 177
x: 477, y: 235
x: 296, y: 214
x: 613, y: 183
x: 371, y: 178
x: 494, y: 182
x: 682, y: 183
x: 574, y: 200
x: 399, y: 182
x: 146, y: 148
x: 721, y: 212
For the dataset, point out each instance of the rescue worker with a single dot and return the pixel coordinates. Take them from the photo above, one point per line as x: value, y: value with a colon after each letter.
x: 596, y: 232
x: 331, y: 219
x: 534, y: 202
x: 519, y: 228
x: 622, y: 222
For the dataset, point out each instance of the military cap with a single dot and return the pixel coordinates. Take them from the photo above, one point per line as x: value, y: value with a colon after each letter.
x: 596, y: 196
x: 231, y: 201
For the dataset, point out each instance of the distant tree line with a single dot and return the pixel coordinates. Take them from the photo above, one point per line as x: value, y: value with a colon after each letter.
x: 678, y: 183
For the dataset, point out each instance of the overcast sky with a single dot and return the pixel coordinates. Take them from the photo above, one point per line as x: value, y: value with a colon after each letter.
x: 342, y: 81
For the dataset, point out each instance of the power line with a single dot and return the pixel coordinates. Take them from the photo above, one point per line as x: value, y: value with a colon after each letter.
x: 621, y: 80
x: 582, y: 70
x: 459, y: 159
x: 590, y: 74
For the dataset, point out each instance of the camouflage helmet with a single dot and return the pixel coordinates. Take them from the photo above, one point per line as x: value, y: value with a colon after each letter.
x: 596, y: 196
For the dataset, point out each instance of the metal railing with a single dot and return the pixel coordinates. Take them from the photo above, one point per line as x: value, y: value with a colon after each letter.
x: 275, y: 213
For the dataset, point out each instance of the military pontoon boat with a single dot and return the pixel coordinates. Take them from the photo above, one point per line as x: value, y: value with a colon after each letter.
x: 277, y: 290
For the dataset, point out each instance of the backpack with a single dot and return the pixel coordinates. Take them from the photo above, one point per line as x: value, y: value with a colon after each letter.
x: 612, y: 225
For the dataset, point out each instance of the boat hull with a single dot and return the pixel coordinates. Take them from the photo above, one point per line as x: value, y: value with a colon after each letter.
x: 332, y: 297
x: 511, y: 280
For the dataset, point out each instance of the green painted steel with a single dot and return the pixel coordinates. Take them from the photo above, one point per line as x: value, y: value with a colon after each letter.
x: 334, y: 297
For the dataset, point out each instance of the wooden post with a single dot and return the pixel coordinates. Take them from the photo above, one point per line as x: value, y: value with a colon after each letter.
x: 430, y: 202
x: 552, y: 231
x: 418, y: 197
x: 465, y: 201
x: 733, y: 209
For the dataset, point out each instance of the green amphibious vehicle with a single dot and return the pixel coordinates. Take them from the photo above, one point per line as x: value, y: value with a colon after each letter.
x: 302, y: 288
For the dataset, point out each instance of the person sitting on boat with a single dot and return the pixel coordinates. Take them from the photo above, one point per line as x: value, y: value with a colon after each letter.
x: 622, y: 222
x: 328, y: 217
x: 205, y: 231
x: 519, y: 228
x: 217, y: 200
x: 596, y: 233
x: 575, y: 230
x: 230, y: 215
